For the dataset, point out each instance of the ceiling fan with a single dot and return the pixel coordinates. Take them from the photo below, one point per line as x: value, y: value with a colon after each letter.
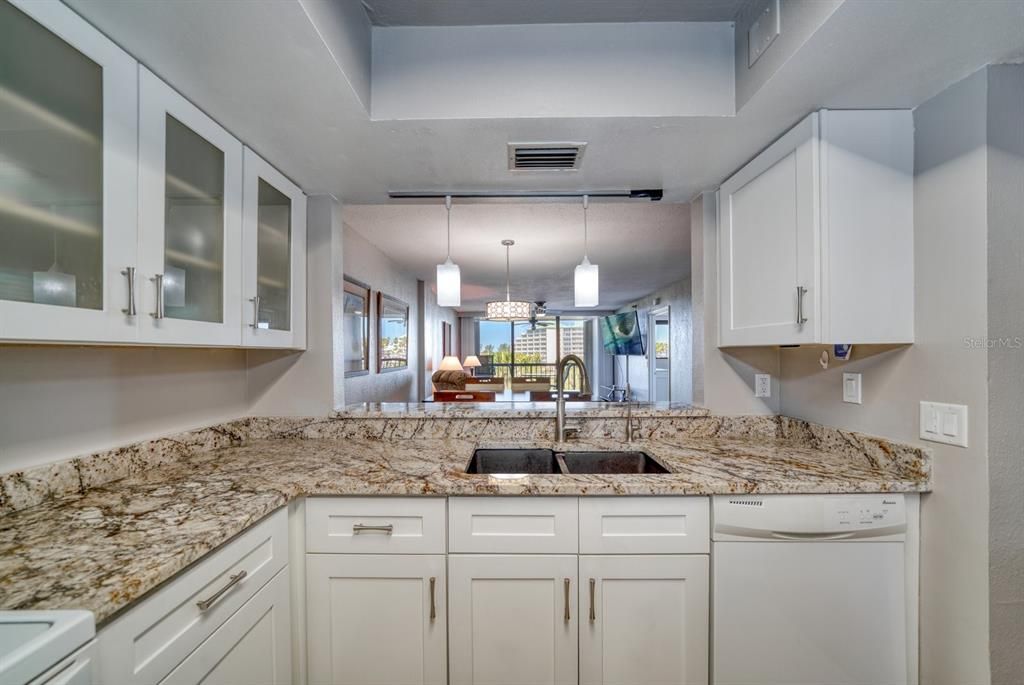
x: 537, y: 312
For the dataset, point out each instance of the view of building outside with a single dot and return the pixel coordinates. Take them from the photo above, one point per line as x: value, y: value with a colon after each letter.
x: 534, y: 350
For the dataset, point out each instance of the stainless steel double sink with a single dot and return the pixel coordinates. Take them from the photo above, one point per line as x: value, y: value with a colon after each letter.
x: 552, y: 462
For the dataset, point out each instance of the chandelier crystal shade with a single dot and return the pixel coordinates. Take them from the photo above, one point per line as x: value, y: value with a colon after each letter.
x: 449, y: 279
x: 508, y: 309
x: 585, y: 286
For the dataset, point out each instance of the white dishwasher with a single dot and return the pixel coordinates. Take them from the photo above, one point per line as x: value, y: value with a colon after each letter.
x: 814, y: 590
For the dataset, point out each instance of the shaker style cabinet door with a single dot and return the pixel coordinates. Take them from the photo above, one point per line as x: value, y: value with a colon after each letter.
x: 644, y: 620
x: 68, y: 178
x: 767, y: 245
x: 273, y: 257
x: 513, y: 619
x: 190, y: 222
x: 375, y: 619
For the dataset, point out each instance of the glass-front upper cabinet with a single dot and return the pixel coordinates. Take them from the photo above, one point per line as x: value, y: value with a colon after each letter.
x: 190, y: 222
x: 68, y: 178
x: 274, y: 257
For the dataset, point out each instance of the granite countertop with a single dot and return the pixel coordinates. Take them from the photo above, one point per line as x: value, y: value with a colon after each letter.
x: 516, y: 410
x: 106, y: 548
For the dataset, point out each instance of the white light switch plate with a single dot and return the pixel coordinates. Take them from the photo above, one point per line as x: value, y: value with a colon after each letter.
x: 762, y: 385
x: 851, y: 388
x: 946, y: 423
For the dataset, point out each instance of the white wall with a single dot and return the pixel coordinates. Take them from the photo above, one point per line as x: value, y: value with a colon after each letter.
x: 369, y: 265
x: 950, y: 261
x: 346, y: 31
x: 723, y: 380
x: 430, y: 342
x: 553, y: 70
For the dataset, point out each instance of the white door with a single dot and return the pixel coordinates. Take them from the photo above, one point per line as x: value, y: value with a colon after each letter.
x: 376, y: 619
x: 190, y: 222
x: 767, y: 241
x: 273, y: 257
x: 252, y: 647
x: 645, y: 620
x: 513, y: 619
x: 68, y: 177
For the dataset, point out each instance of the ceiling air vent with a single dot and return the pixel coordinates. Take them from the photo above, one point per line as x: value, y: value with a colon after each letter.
x: 545, y: 156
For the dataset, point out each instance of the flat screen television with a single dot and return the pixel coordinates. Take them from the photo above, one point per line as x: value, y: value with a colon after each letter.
x: 620, y: 334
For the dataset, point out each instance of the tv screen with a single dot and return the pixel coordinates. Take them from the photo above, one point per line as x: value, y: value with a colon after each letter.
x: 620, y: 334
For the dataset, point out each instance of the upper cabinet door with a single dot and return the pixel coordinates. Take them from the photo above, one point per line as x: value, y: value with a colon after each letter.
x: 273, y: 257
x: 190, y: 218
x: 768, y: 270
x: 68, y: 170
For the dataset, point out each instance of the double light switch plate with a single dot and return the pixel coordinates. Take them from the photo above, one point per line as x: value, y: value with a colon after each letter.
x: 946, y: 423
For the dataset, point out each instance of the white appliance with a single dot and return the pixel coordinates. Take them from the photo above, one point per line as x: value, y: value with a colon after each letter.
x: 814, y: 590
x: 47, y: 647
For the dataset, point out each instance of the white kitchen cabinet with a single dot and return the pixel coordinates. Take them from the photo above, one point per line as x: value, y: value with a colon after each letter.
x: 69, y: 177
x: 645, y: 620
x: 815, y: 241
x: 273, y: 257
x: 190, y: 222
x: 252, y: 647
x: 376, y: 618
x: 513, y: 619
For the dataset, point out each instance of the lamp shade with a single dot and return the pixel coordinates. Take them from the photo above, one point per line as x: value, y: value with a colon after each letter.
x: 450, y: 363
x: 585, y: 291
x: 449, y: 284
x: 471, y: 362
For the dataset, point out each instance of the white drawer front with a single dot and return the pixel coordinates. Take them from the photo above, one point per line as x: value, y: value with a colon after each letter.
x: 375, y: 525
x: 517, y: 525
x: 644, y: 525
x: 143, y: 645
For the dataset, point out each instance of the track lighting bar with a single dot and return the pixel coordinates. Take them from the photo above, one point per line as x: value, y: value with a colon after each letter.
x: 653, y: 194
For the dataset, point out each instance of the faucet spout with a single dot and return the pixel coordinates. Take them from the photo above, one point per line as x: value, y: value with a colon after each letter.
x: 560, y: 428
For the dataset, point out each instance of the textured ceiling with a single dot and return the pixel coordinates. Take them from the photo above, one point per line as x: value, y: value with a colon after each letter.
x: 489, y: 12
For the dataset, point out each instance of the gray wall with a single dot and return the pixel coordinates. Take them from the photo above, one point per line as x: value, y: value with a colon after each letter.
x: 1006, y: 370
x: 432, y: 316
x: 364, y: 262
x: 951, y: 291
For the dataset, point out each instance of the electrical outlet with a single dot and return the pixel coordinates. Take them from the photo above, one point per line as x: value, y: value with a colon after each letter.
x: 762, y: 385
x: 851, y: 388
x: 945, y: 423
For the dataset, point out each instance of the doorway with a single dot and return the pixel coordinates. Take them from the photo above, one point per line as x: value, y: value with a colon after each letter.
x: 660, y: 354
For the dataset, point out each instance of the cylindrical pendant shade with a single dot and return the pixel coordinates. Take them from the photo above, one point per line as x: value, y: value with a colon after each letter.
x: 508, y: 310
x: 449, y: 285
x: 585, y: 291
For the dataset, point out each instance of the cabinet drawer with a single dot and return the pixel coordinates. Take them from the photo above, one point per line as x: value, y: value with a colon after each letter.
x: 143, y: 645
x: 644, y: 525
x: 375, y: 525
x: 517, y: 525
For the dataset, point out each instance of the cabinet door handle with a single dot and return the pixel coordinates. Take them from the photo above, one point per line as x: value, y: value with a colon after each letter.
x: 567, y: 616
x: 800, y: 318
x: 255, y: 311
x: 593, y: 614
x: 360, y: 528
x: 129, y: 273
x: 433, y: 603
x: 159, y: 280
x: 234, y: 580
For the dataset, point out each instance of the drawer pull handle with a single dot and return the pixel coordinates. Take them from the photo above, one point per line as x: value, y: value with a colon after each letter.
x: 360, y: 528
x: 234, y: 580
x: 433, y: 603
x: 593, y: 614
x: 567, y: 616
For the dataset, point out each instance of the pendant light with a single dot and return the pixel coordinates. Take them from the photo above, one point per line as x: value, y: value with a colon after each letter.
x: 449, y: 281
x: 508, y: 309
x: 585, y: 292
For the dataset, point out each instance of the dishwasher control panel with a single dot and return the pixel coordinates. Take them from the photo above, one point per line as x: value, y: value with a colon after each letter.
x: 860, y: 513
x: 808, y: 517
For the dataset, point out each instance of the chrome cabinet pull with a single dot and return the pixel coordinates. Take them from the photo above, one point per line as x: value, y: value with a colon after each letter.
x: 433, y: 604
x: 800, y: 318
x: 255, y: 311
x: 593, y: 614
x: 234, y: 580
x: 567, y: 616
x: 129, y: 273
x: 159, y: 280
x: 358, y: 528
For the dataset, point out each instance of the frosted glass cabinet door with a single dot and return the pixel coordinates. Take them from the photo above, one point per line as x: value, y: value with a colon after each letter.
x: 68, y: 170
x: 190, y: 222
x: 273, y: 257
